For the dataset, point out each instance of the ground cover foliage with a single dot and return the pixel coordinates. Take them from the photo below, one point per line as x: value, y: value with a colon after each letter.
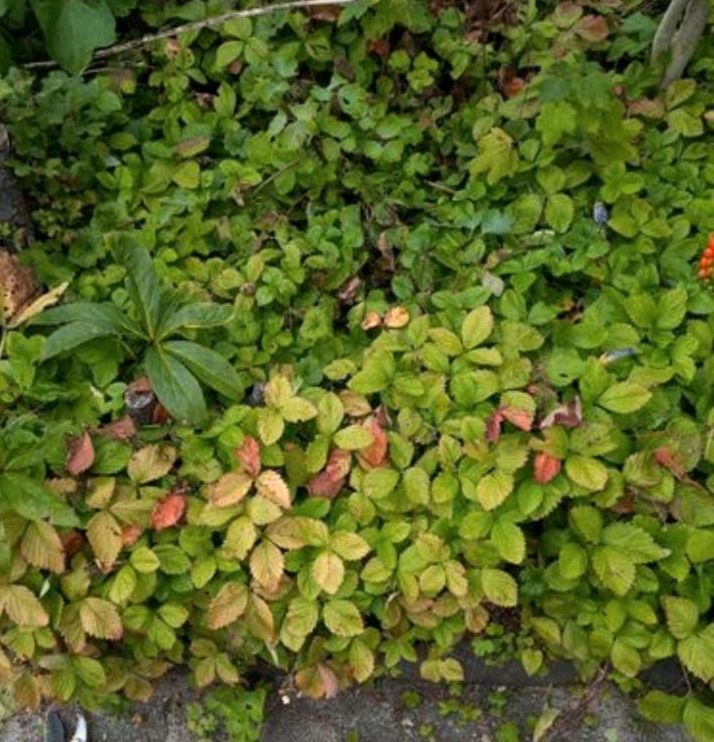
x: 418, y: 294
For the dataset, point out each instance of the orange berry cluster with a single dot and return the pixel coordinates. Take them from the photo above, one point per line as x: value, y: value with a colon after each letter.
x: 706, y: 262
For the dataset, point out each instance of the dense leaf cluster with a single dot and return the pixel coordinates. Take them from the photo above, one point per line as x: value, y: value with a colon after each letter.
x: 466, y: 367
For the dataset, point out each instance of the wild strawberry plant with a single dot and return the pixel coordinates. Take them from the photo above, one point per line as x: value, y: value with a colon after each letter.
x: 456, y: 271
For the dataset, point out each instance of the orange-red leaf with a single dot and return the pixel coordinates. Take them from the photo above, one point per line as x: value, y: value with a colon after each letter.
x: 168, y: 511
x: 248, y: 455
x: 376, y: 454
x: 545, y: 467
x: 81, y: 455
x: 331, y: 480
x: 130, y: 535
x: 670, y: 461
x: 520, y: 418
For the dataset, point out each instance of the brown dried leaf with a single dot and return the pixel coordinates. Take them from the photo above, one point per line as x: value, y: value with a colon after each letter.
x: 570, y: 415
x: 122, y: 429
x: 396, y: 317
x: 371, y: 320
x: 17, y: 285
x: 651, y: 108
x: 592, y: 28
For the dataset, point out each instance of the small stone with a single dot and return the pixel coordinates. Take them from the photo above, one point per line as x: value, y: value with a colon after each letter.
x: 600, y: 213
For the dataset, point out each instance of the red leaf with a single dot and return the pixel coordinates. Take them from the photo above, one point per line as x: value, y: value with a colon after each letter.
x: 130, y: 535
x: 248, y: 455
x: 545, y: 467
x: 122, y: 429
x: 670, y: 461
x: 168, y: 511
x: 493, y: 426
x: 520, y: 418
x: 570, y: 415
x: 160, y: 414
x: 376, y: 454
x: 81, y: 455
x: 329, y: 482
x: 72, y: 542
x: 380, y: 47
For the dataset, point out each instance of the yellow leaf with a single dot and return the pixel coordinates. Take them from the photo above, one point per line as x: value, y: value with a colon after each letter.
x: 278, y: 391
x: 38, y: 305
x: 297, y: 410
x: 260, y: 619
x: 104, y: 534
x: 266, y: 565
x: 270, y: 426
x: 101, y: 492
x: 227, y: 606
x: 21, y: 606
x: 41, y: 547
x: 230, y: 489
x: 240, y: 537
x: 273, y: 487
x: 27, y: 691
x: 150, y: 463
x: 100, y: 619
x: 328, y: 571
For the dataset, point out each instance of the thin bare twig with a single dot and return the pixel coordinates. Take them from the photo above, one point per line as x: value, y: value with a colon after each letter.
x: 215, y: 20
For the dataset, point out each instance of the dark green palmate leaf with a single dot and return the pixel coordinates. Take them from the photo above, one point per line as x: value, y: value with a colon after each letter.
x: 72, y: 336
x: 175, y: 386
x: 142, y: 283
x: 105, y: 317
x: 210, y: 367
x: 201, y: 315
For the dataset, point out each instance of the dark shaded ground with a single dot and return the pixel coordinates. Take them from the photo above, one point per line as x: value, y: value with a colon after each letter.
x: 492, y: 700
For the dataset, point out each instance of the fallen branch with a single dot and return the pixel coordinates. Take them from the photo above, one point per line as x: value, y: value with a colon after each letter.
x: 211, y: 22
